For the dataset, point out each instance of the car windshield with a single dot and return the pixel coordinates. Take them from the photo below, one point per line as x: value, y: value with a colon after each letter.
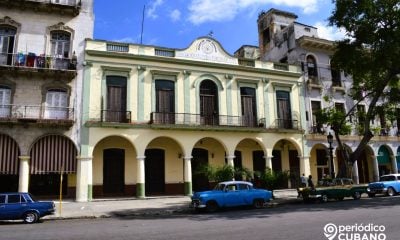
x: 32, y: 197
x: 219, y: 187
x: 388, y: 178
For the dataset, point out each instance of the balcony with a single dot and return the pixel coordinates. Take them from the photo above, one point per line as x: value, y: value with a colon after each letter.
x: 160, y: 118
x: 280, y: 123
x: 36, y: 114
x: 113, y: 116
x: 63, y: 68
x: 71, y: 7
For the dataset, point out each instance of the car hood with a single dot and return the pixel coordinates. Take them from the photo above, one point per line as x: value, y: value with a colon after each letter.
x: 205, y: 193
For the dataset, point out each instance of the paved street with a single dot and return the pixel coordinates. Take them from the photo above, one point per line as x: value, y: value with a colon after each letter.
x: 292, y: 221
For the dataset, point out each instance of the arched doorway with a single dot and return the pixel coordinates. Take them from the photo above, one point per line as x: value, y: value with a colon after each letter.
x: 155, y: 171
x: 209, y: 112
x: 200, y: 159
x: 113, y: 171
x: 384, y: 161
x: 51, y: 156
x: 365, y: 168
x: 9, y: 164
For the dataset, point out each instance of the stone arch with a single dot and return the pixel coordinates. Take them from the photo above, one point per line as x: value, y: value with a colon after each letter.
x: 114, y: 166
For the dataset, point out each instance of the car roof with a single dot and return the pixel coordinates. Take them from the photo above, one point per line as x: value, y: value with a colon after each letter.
x: 236, y: 182
x: 13, y: 192
x: 392, y: 174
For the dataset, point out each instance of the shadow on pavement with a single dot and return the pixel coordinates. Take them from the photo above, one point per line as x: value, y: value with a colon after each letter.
x: 180, y: 211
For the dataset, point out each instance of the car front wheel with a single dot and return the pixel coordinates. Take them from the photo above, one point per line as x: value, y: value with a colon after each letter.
x: 324, y: 198
x: 31, y: 217
x: 390, y: 192
x: 357, y: 195
x: 211, y: 206
x: 258, y: 203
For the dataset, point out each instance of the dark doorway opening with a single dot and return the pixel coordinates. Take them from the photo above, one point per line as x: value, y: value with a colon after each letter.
x: 200, y: 159
x: 113, y: 171
x: 9, y: 183
x: 294, y: 163
x: 47, y: 185
x: 155, y: 171
x: 238, y: 165
x: 259, y: 165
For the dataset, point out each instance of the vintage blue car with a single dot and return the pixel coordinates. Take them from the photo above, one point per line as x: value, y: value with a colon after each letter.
x: 17, y: 205
x: 388, y: 184
x: 230, y: 194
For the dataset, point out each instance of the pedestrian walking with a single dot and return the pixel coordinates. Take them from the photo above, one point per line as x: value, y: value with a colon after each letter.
x: 303, y: 181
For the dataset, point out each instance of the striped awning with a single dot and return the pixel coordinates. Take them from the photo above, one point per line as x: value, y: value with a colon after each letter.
x: 9, y: 152
x: 53, y: 154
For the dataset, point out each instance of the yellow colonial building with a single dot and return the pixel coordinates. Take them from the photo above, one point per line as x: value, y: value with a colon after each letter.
x: 152, y: 115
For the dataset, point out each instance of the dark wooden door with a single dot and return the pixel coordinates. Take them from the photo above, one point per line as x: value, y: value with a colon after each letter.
x: 259, y: 165
x: 200, y: 180
x: 155, y: 171
x: 238, y: 164
x: 113, y: 170
x: 294, y: 164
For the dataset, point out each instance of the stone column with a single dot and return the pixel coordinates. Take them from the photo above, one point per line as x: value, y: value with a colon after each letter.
x: 268, y: 162
x: 375, y: 168
x: 140, y: 187
x: 305, y: 166
x: 23, y: 185
x: 394, y: 164
x: 84, y: 179
x: 356, y: 178
x: 188, y: 175
x: 230, y: 160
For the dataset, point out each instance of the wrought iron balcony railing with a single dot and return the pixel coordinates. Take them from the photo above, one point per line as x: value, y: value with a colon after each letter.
x: 35, y: 112
x: 202, y: 120
x: 115, y: 116
x: 280, y: 123
x: 31, y: 60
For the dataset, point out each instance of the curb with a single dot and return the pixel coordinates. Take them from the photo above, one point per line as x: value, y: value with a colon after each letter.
x: 158, y: 212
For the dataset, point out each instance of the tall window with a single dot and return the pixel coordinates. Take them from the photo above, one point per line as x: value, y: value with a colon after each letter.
x: 116, y: 99
x: 284, y: 110
x: 312, y: 69
x: 316, y: 109
x: 7, y: 38
x: 5, y: 99
x: 165, y: 102
x: 361, y: 118
x: 336, y: 77
x: 209, y: 103
x: 249, y: 107
x: 56, y: 104
x: 60, y: 44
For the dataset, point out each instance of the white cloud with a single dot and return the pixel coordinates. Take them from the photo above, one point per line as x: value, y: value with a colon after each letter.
x: 175, y: 15
x: 202, y: 11
x: 151, y: 11
x: 125, y: 40
x: 328, y: 32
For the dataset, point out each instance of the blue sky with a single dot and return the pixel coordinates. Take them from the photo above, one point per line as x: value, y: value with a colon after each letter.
x: 176, y: 23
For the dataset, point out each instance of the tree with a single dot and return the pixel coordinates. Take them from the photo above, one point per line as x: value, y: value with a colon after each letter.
x: 370, y: 53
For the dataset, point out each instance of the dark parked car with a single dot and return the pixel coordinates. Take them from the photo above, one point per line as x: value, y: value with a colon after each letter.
x: 16, y: 205
x: 230, y: 194
x: 337, y: 188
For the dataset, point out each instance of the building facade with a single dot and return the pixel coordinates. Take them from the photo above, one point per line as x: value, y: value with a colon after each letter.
x: 41, y: 55
x: 283, y: 39
x: 152, y: 116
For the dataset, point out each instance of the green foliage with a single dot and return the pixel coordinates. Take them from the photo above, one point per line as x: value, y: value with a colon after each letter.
x: 273, y: 179
x: 223, y: 173
x: 370, y: 53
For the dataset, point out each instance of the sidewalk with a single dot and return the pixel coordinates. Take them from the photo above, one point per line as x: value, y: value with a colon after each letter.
x: 163, y: 205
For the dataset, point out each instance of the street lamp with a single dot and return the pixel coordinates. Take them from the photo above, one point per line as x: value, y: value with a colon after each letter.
x: 330, y: 141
